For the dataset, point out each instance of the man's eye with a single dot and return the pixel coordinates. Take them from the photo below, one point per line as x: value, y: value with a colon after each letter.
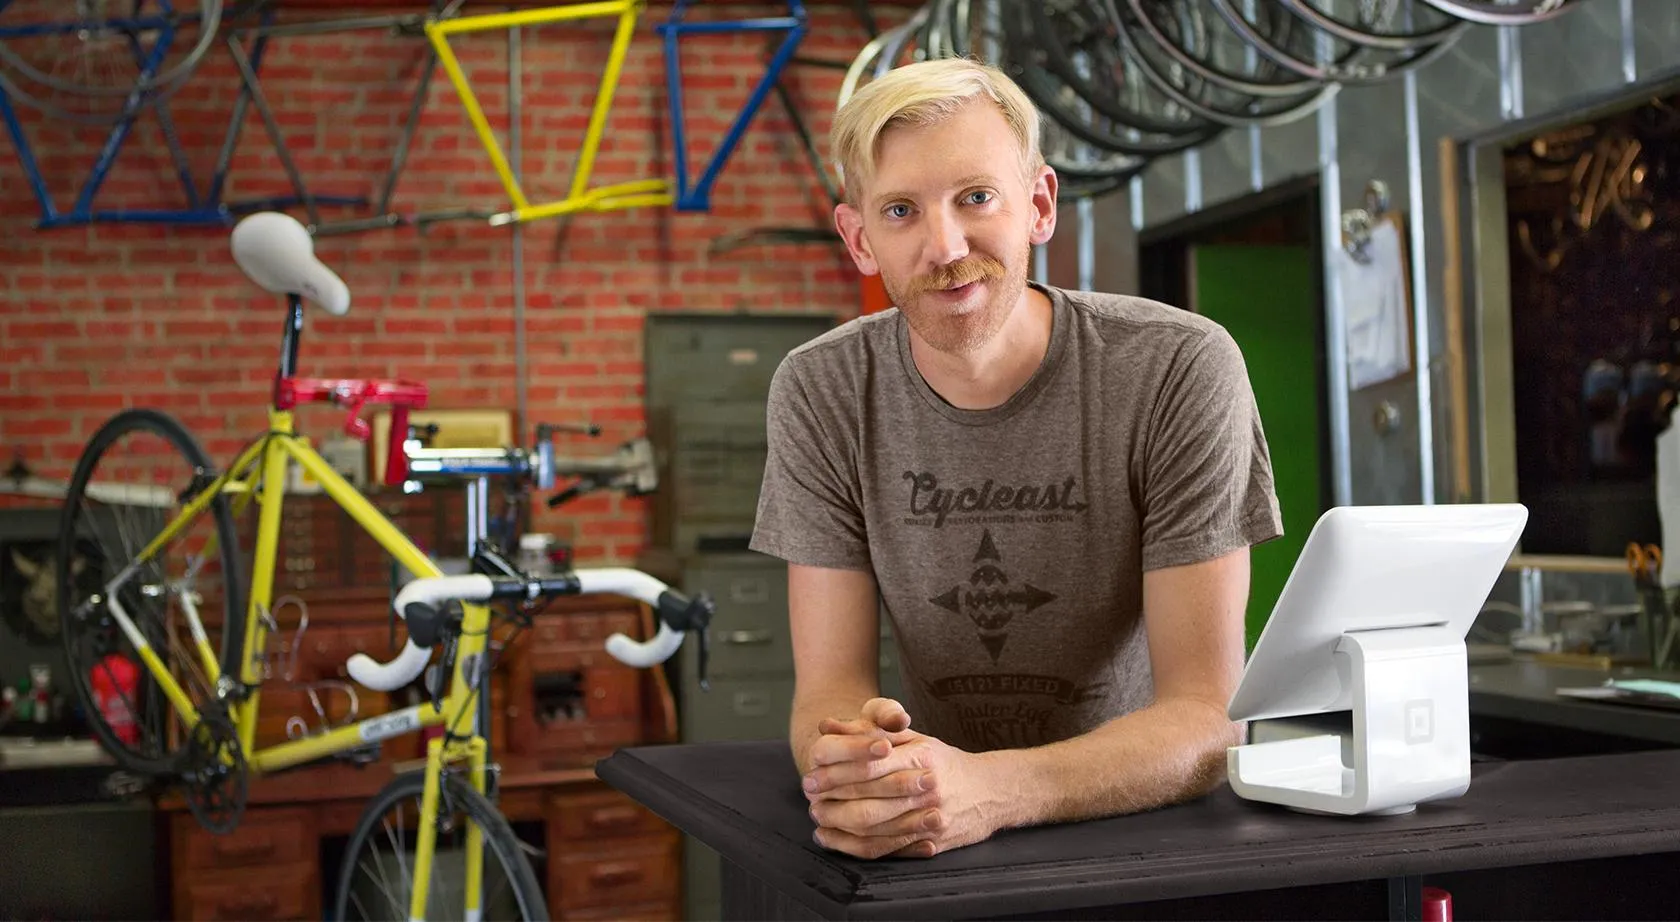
x: 979, y: 197
x: 898, y: 211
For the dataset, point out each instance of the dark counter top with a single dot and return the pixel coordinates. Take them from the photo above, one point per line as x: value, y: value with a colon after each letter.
x: 742, y: 799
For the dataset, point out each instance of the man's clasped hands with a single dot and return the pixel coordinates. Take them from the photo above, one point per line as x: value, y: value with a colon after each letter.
x: 880, y: 789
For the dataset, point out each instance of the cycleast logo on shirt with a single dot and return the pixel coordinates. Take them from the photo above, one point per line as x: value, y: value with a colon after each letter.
x: 991, y: 503
x: 1004, y: 707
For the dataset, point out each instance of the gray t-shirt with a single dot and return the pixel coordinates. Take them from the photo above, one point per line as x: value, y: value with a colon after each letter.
x: 1010, y: 543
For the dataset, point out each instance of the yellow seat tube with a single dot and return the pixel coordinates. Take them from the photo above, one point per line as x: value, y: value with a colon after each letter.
x: 262, y: 571
x: 604, y: 98
x: 475, y: 113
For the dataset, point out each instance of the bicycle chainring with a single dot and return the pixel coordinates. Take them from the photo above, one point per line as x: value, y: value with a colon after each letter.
x: 214, y: 779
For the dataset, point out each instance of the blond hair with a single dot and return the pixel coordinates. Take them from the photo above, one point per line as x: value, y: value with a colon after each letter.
x: 925, y: 93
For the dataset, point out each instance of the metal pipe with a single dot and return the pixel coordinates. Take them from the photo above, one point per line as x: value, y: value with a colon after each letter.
x: 1510, y: 73
x: 1425, y: 367
x: 515, y: 85
x: 1630, y: 68
x: 1335, y: 312
x: 1424, y: 370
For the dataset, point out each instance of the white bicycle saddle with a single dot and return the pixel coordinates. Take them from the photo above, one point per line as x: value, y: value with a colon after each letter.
x: 277, y: 253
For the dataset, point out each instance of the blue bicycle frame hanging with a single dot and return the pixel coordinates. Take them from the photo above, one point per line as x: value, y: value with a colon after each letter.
x: 202, y: 209
x: 698, y: 198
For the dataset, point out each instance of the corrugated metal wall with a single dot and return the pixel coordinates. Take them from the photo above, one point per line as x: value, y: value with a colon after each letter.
x: 1392, y: 133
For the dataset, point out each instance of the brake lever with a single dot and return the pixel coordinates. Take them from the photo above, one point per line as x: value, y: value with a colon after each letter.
x: 696, y: 616
x: 701, y: 655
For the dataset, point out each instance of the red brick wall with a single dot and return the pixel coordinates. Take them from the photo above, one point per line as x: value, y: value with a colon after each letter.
x: 115, y: 315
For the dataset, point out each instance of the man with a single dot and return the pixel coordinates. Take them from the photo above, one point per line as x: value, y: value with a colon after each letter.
x: 1051, y: 495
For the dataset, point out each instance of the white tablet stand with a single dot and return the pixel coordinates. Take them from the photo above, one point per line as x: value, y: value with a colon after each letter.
x: 1372, y: 620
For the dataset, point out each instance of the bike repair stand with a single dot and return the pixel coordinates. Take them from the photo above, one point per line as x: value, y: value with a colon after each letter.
x: 631, y: 469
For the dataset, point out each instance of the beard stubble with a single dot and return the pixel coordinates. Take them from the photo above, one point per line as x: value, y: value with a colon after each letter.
x: 960, y: 333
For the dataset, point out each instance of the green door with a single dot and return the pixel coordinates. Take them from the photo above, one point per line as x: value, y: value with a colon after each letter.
x: 1267, y: 297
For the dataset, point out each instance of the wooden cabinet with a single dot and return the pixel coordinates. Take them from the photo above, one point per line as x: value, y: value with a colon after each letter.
x: 559, y: 703
x: 611, y: 858
x: 264, y: 869
x: 603, y: 856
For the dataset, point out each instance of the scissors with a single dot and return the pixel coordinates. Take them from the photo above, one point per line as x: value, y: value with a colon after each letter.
x: 1645, y: 563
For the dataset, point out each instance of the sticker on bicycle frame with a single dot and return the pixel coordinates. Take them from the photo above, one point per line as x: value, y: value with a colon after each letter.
x: 386, y: 726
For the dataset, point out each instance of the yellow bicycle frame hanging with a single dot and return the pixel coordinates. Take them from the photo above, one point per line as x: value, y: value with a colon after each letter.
x: 633, y: 194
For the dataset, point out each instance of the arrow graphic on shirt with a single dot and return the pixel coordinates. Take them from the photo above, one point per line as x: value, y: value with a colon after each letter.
x: 989, y: 600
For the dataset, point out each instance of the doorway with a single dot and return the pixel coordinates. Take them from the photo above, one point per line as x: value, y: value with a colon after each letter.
x: 1255, y: 266
x: 1592, y: 210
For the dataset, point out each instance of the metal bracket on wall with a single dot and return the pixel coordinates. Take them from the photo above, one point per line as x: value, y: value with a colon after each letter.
x: 1357, y: 223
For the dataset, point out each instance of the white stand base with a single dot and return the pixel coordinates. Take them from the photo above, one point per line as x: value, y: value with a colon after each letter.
x: 1409, y: 691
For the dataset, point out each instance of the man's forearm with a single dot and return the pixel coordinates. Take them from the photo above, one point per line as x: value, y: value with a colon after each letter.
x: 1171, y: 751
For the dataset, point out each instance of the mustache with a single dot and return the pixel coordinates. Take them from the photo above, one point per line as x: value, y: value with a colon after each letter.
x: 976, y: 268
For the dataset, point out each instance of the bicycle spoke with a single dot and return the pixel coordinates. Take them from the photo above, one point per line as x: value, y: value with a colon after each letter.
x: 124, y: 602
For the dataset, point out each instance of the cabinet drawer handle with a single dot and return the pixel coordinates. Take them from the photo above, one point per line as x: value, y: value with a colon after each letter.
x: 749, y: 591
x: 745, y: 638
x: 612, y: 817
x: 249, y: 908
x: 611, y: 875
x: 751, y: 704
x: 249, y: 850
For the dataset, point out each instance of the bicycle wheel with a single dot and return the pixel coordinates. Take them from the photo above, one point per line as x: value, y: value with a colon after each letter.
x: 81, y: 61
x: 376, y: 877
x: 130, y: 482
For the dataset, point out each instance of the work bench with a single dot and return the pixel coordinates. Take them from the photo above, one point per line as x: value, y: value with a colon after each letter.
x: 1589, y: 837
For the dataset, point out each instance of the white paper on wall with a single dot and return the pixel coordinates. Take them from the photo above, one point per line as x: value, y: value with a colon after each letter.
x: 1375, y: 304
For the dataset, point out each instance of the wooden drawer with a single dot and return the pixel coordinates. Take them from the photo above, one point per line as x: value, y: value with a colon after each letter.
x: 274, y: 892
x: 589, y: 630
x: 263, y: 838
x: 324, y: 650
x: 606, y: 689
x: 589, y: 817
x: 668, y: 911
x: 572, y: 699
x: 627, y: 872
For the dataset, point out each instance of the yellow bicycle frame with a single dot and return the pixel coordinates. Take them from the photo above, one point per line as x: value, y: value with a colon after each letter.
x: 637, y: 193
x: 260, y: 472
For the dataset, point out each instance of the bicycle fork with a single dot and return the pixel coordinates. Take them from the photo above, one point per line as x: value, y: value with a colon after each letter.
x: 437, y: 761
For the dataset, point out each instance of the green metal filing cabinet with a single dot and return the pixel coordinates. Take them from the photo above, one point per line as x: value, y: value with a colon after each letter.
x: 751, y: 665
x: 708, y: 376
x: 751, y: 676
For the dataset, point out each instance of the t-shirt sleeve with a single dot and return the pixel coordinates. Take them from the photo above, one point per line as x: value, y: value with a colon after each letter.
x: 1207, y: 484
x: 809, y: 509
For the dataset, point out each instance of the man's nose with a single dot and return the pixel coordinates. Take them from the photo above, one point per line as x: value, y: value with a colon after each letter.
x: 947, y: 241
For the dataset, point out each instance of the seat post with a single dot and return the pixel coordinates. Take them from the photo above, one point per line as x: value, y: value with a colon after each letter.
x: 294, y: 331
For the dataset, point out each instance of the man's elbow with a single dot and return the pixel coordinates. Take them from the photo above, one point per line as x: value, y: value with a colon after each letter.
x: 1207, y: 754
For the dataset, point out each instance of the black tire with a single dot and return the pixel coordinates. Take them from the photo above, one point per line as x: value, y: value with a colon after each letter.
x: 499, y: 842
x: 69, y: 582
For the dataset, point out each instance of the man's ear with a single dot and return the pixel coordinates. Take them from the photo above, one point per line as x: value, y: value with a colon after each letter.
x: 1043, y: 188
x: 849, y: 222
